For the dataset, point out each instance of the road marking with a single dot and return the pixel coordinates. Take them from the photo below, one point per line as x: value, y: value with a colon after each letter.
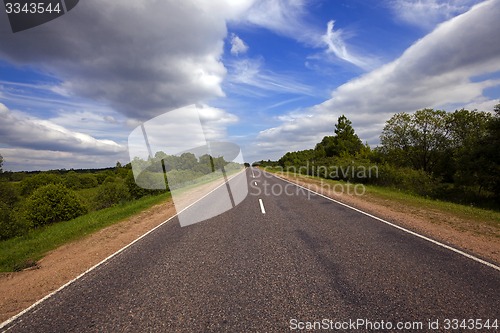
x: 255, y: 183
x: 262, y: 209
x: 470, y: 256
x: 104, y: 261
x: 253, y: 174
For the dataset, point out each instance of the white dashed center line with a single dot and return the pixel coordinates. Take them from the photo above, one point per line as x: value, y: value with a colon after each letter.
x: 262, y: 209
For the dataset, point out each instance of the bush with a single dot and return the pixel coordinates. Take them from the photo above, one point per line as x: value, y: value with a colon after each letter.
x: 406, y: 179
x: 8, y: 194
x: 52, y: 203
x: 147, y: 178
x: 111, y: 193
x: 72, y: 180
x: 88, y: 181
x: 30, y: 184
x: 9, y: 226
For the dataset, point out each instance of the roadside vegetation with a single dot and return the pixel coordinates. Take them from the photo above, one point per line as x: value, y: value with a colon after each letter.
x: 24, y: 251
x: 40, y: 211
x: 448, y: 156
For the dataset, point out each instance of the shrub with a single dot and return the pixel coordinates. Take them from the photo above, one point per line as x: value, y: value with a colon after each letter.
x: 72, y: 180
x: 406, y: 179
x: 10, y: 226
x: 52, y: 203
x: 30, y: 184
x: 8, y: 194
x: 146, y: 178
x: 88, y: 181
x: 111, y: 193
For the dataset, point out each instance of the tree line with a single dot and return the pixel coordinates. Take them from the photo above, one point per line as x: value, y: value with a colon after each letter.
x: 30, y: 200
x: 444, y: 155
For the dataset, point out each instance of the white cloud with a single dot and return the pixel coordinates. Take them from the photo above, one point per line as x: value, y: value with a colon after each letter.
x: 289, y: 19
x: 442, y: 68
x: 427, y: 13
x: 19, y: 130
x: 335, y: 44
x: 250, y: 73
x: 142, y: 57
x: 238, y: 46
x: 30, y: 159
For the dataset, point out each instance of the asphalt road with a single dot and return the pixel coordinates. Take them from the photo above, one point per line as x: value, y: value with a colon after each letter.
x: 305, y: 259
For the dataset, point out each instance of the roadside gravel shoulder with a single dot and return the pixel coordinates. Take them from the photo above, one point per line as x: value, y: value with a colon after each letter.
x: 20, y: 290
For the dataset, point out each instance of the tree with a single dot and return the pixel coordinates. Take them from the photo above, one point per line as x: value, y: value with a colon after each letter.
x: 1, y: 163
x: 486, y: 153
x: 467, y: 130
x: 417, y: 140
x: 344, y: 142
x: 30, y: 184
x: 395, y: 139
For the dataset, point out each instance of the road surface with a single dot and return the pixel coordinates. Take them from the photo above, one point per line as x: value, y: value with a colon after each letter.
x: 283, y: 259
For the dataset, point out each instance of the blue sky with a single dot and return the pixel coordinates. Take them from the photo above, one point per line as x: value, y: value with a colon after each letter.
x: 271, y: 76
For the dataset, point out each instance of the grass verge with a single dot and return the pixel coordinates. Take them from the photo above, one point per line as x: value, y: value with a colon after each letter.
x: 22, y: 252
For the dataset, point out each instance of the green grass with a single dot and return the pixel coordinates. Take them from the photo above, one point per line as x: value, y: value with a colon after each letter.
x: 491, y: 217
x: 486, y: 216
x: 24, y: 251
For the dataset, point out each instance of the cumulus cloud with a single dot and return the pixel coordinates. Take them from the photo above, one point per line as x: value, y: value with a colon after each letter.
x: 142, y: 57
x: 238, y: 45
x: 33, y: 133
x: 441, y: 68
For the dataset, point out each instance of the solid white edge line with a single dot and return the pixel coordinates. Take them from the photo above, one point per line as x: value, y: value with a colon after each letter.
x: 484, y: 262
x: 262, y: 209
x: 13, y: 318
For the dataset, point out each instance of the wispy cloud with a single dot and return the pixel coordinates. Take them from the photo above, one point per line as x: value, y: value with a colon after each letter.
x: 440, y: 69
x: 427, y: 13
x: 289, y: 19
x: 336, y: 45
x: 250, y: 73
x: 238, y: 46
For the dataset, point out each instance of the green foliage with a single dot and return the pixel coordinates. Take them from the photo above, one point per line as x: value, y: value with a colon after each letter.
x: 32, y: 246
x: 10, y: 226
x: 87, y: 181
x: 468, y: 134
x: 488, y: 158
x: 101, y: 176
x: 148, y: 181
x: 30, y: 184
x: 417, y: 140
x: 451, y: 156
x: 52, y: 203
x: 1, y: 163
x: 8, y: 194
x: 111, y: 193
x: 345, y: 142
x: 72, y: 180
x: 406, y: 179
